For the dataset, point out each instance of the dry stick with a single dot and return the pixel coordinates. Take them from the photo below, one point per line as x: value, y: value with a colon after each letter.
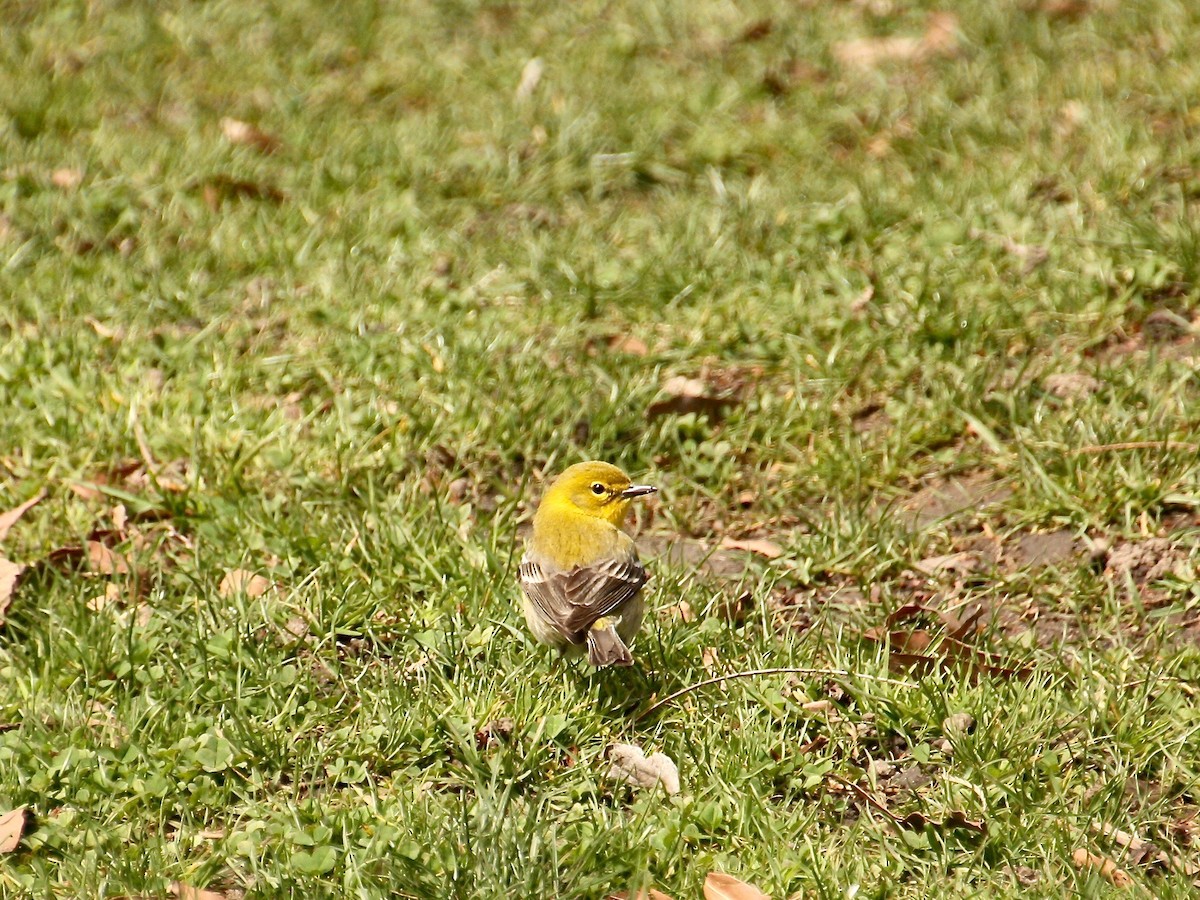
x: 1138, y: 445
x: 785, y: 670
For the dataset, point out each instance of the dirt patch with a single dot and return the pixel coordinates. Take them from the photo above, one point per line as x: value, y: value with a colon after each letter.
x: 688, y: 553
x: 947, y: 498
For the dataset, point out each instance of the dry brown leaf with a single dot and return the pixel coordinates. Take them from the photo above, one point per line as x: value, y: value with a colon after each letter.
x: 10, y: 574
x: 683, y: 610
x: 643, y: 894
x: 688, y: 395
x: 105, y: 560
x: 238, y: 132
x: 9, y: 519
x: 955, y: 819
x: 187, y: 892
x: 1070, y: 385
x: 1084, y: 859
x: 761, y: 546
x: 940, y: 39
x: 628, y: 344
x: 708, y: 659
x: 926, y: 652
x: 629, y: 763
x: 961, y: 563
x: 219, y: 188
x: 67, y: 179
x: 956, y: 725
x: 12, y: 827
x: 239, y: 581
x: 112, y: 593
x: 719, y: 886
x: 1144, y: 853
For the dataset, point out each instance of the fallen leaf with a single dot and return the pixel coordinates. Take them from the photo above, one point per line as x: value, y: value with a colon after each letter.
x: 105, y: 560
x: 1144, y: 853
x: 10, y: 574
x: 940, y: 39
x: 761, y: 546
x: 112, y: 594
x: 628, y: 344
x: 1083, y: 859
x: 67, y: 179
x: 494, y: 732
x: 1064, y: 9
x: 218, y: 188
x: 630, y: 764
x: 755, y: 31
x: 708, y: 659
x: 719, y: 886
x: 957, y: 725
x: 643, y: 894
x: 239, y: 581
x: 187, y: 892
x: 682, y: 610
x: 1070, y: 385
x: 531, y: 76
x: 930, y: 652
x: 688, y: 395
x: 962, y: 563
x: 12, y: 826
x: 955, y: 819
x: 247, y: 135
x: 9, y: 519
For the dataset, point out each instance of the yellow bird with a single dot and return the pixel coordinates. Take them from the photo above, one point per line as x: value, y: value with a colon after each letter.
x: 581, y: 576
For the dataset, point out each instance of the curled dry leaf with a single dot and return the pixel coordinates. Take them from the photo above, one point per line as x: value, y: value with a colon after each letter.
x: 10, y: 574
x: 239, y: 581
x: 761, y: 546
x: 9, y: 519
x: 719, y: 886
x: 12, y: 827
x: 1084, y: 859
x: 629, y: 763
x: 238, y: 132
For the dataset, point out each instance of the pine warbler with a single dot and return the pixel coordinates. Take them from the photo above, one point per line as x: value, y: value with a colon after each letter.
x: 581, y: 576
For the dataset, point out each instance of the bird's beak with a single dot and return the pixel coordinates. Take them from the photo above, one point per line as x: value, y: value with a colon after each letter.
x: 638, y: 490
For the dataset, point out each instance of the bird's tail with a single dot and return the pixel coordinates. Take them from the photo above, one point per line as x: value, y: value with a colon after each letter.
x: 605, y: 647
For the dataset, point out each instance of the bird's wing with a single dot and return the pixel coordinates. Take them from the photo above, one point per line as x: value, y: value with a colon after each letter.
x: 573, y: 600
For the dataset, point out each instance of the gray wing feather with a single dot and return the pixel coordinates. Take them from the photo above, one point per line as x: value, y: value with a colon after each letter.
x: 573, y: 600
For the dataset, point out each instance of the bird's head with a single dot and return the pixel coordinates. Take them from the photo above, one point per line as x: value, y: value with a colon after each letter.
x: 595, y: 489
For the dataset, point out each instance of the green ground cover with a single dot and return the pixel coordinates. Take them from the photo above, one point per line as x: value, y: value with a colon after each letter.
x: 327, y: 295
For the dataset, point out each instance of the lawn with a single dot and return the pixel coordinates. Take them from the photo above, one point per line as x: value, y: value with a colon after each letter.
x: 301, y: 308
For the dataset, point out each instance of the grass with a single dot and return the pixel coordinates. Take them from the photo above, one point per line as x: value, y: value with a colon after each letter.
x: 351, y: 364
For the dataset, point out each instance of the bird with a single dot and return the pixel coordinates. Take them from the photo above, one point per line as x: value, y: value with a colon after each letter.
x: 581, y: 577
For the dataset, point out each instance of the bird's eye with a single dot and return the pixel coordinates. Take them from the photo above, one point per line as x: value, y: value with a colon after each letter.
x: 597, y: 489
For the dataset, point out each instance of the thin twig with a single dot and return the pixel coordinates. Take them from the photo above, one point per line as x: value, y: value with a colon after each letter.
x: 1138, y: 445
x: 785, y: 670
